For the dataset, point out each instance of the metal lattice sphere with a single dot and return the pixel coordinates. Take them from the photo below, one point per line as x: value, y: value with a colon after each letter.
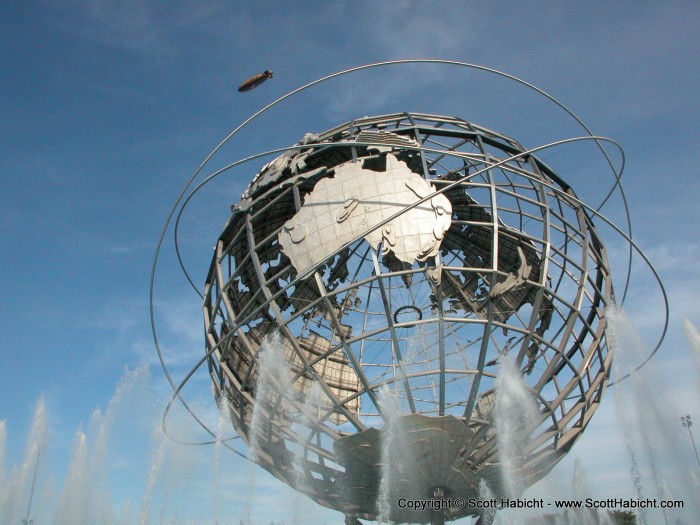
x: 379, y: 275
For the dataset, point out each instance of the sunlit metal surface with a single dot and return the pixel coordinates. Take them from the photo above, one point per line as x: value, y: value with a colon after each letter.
x: 412, y: 256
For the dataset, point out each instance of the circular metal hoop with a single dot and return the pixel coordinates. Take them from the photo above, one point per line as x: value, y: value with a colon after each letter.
x: 408, y: 308
x: 177, y: 388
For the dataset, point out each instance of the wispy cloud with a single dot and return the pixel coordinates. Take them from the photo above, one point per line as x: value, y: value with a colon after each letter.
x: 133, y: 25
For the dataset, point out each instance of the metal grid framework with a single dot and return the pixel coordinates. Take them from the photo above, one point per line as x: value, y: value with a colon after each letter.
x: 520, y: 271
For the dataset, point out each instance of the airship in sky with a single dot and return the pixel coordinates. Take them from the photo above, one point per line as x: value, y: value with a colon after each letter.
x: 255, y: 81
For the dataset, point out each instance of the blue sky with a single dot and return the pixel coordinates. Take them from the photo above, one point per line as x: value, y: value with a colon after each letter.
x: 108, y: 107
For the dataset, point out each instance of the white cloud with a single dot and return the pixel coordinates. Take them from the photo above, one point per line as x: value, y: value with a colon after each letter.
x: 143, y: 26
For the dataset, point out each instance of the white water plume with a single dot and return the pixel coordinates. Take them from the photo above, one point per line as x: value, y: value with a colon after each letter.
x: 580, y: 490
x: 106, y: 443
x: 612, y: 332
x: 310, y: 414
x: 75, y: 503
x: 222, y: 425
x: 125, y: 514
x: 391, y: 410
x: 650, y: 426
x: 693, y: 336
x: 273, y: 386
x: 514, y: 416
x: 86, y: 494
x: 14, y: 492
x: 3, y: 440
x: 3, y: 476
x: 153, y: 473
x: 579, y: 481
x: 486, y: 494
x: 642, y: 403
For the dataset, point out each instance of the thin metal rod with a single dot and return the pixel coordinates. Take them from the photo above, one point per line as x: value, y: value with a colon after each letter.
x: 687, y: 423
x: 40, y: 449
x: 692, y: 440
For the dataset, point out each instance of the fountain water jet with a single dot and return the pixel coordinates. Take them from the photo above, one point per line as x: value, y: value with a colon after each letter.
x: 310, y: 412
x: 580, y: 490
x: 223, y: 422
x: 515, y: 418
x: 273, y: 396
x: 3, y: 440
x: 645, y: 416
x: 486, y: 494
x: 693, y: 336
x: 75, y: 503
x: 16, y: 489
x: 153, y: 473
x: 389, y: 401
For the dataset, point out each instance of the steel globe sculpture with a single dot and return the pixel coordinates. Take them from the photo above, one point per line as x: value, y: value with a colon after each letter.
x: 378, y: 276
